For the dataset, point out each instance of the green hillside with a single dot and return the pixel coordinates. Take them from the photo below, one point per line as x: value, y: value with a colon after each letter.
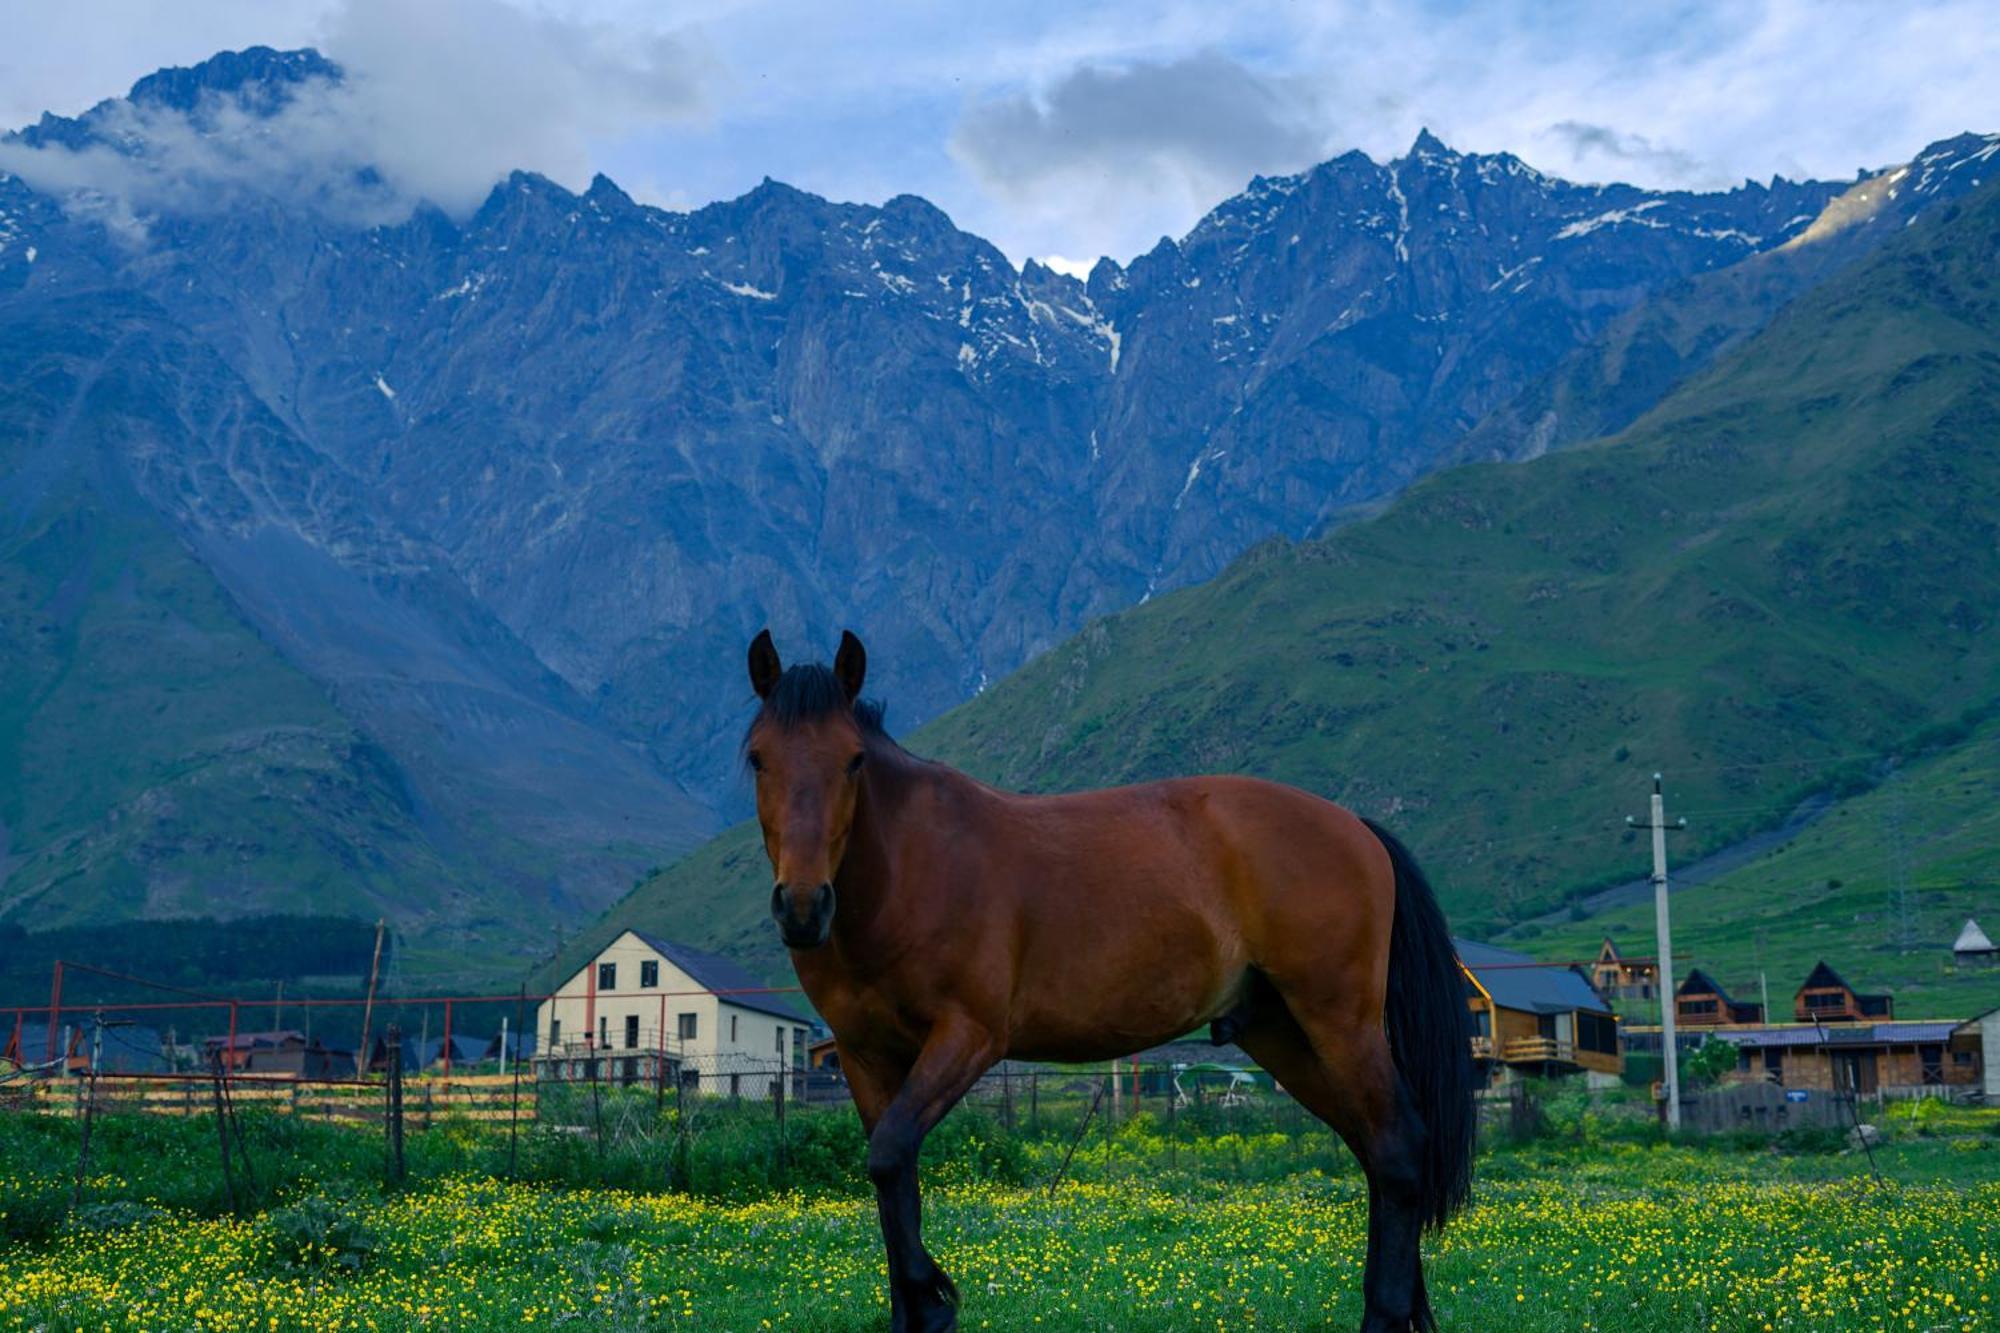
x: 1785, y: 573
x: 157, y: 757
x: 1831, y: 892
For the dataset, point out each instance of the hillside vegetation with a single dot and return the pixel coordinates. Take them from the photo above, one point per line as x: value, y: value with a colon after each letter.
x: 1780, y: 578
x: 1931, y: 830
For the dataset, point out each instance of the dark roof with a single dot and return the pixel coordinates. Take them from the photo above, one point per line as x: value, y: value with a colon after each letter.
x: 1517, y: 981
x: 464, y: 1050
x: 1867, y: 1034
x: 728, y: 980
x: 1700, y: 983
x: 251, y: 1040
x: 1823, y: 975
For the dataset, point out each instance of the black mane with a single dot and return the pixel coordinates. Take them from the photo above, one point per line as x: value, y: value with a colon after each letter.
x: 810, y: 692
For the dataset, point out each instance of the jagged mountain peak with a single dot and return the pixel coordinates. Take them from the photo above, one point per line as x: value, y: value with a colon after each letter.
x: 262, y: 76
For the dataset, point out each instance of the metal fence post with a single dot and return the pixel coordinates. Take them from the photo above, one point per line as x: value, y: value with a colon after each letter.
x: 394, y: 1118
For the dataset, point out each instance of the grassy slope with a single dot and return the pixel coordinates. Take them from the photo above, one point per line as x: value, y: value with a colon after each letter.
x: 1783, y: 574
x: 157, y: 758
x: 1827, y: 893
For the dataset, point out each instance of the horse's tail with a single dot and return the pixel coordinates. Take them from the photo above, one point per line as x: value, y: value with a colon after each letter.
x: 1429, y: 1025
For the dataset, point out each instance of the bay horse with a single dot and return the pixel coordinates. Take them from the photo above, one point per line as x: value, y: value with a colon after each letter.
x: 939, y: 926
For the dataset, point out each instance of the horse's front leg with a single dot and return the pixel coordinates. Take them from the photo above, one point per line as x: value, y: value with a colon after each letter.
x: 955, y: 1054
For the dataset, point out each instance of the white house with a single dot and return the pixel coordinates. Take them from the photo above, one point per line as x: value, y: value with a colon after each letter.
x: 647, y: 1009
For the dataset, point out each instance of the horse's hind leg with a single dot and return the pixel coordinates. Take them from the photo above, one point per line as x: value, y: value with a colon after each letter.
x: 1341, y: 1071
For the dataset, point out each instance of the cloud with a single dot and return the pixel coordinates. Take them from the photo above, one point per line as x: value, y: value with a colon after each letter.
x: 1109, y: 137
x: 1585, y: 142
x: 437, y: 103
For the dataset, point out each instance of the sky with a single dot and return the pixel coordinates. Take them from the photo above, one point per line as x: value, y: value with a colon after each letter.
x: 1058, y: 131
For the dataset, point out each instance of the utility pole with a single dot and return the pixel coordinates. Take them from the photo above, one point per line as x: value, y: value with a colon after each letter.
x: 1663, y: 927
x: 368, y: 1006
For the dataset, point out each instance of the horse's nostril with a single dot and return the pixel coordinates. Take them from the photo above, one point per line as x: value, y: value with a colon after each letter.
x: 778, y: 901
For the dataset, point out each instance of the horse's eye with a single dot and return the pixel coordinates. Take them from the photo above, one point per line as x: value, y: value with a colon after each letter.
x: 854, y: 764
x: 756, y: 762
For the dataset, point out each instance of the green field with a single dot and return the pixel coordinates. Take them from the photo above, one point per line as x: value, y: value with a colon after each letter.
x: 1595, y: 1224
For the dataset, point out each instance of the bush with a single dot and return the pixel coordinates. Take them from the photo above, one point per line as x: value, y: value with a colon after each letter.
x: 319, y: 1235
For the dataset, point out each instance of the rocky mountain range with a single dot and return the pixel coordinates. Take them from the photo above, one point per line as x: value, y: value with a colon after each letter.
x: 493, y: 501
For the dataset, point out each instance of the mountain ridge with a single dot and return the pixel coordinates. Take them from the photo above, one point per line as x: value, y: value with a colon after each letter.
x: 1789, y: 559
x: 583, y: 447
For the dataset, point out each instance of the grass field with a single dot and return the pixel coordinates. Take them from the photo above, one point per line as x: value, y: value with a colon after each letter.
x: 1596, y: 1226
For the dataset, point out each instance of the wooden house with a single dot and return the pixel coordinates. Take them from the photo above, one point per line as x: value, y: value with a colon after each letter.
x: 1975, y: 1044
x: 276, y: 1052
x: 1864, y: 1059
x: 1700, y: 1001
x: 646, y: 1008
x: 1530, y: 1017
x: 1827, y: 998
x: 1622, y: 978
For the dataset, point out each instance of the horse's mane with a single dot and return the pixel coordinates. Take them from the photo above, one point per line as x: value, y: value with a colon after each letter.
x: 810, y: 692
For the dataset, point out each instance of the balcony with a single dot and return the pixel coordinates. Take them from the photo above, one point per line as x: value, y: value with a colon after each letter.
x: 1538, y: 1050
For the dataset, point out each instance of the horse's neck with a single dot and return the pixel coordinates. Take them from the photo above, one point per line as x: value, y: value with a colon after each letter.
x: 896, y: 789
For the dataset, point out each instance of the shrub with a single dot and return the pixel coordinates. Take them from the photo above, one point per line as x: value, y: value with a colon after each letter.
x: 321, y: 1235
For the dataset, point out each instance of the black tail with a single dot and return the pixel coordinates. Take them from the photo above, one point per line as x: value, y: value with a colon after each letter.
x: 1429, y: 1029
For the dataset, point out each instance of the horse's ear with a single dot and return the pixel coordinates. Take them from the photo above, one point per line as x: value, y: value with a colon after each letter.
x: 850, y: 665
x: 765, y: 668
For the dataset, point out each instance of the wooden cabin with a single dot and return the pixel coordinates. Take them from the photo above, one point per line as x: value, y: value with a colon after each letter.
x: 1530, y: 1017
x: 1700, y: 1002
x: 1864, y: 1059
x: 1623, y: 978
x: 1827, y: 998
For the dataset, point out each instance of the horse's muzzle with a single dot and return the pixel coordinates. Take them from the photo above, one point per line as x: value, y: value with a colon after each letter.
x: 803, y: 931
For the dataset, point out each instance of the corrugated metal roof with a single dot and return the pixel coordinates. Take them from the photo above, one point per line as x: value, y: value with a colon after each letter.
x: 1844, y: 1034
x: 1518, y: 981
x: 716, y: 973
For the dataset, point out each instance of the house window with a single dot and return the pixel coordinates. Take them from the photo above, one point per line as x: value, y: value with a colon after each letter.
x: 732, y: 1029
x: 631, y: 1031
x: 603, y: 1032
x: 1774, y: 1063
x: 1597, y: 1032
x: 1826, y: 1000
x: 649, y: 974
x: 798, y: 1048
x: 1962, y: 1059
x: 688, y: 1026
x: 1698, y: 1006
x: 555, y: 1033
x: 607, y: 976
x: 778, y: 1044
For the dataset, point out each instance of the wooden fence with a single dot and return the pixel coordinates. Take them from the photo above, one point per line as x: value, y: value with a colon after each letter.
x: 490, y: 1097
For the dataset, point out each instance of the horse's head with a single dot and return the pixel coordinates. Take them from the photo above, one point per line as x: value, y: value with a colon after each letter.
x: 806, y: 749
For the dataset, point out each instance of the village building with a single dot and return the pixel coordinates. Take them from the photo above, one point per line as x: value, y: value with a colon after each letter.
x: 1980, y: 1037
x: 1620, y: 978
x: 1973, y: 948
x: 1828, y: 998
x: 646, y: 1009
x: 1842, y: 1041
x: 1700, y: 1001
x: 1535, y: 1018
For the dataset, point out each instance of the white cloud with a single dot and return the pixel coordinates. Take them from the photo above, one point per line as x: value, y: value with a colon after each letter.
x: 439, y: 101
x: 1115, y: 139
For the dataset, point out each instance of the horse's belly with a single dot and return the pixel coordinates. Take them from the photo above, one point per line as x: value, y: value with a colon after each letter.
x: 1117, y: 1004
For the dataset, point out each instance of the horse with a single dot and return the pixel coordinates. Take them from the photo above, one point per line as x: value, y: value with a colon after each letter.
x: 940, y: 925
